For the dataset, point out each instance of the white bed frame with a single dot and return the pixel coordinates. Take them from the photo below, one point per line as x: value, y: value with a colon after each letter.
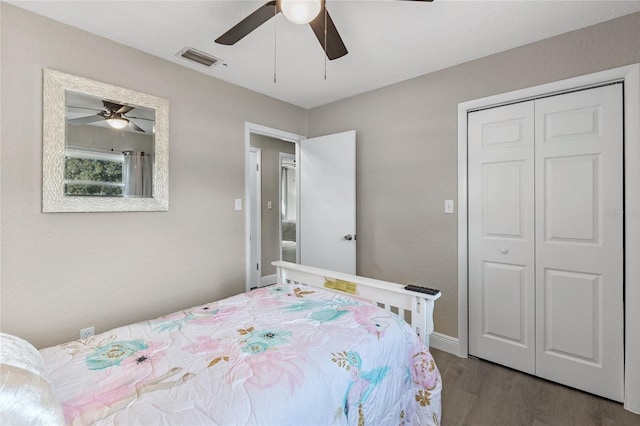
x: 390, y: 296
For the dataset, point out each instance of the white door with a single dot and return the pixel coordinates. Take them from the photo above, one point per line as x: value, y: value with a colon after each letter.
x: 579, y: 250
x: 255, y: 236
x: 501, y: 236
x: 545, y: 223
x: 327, y: 217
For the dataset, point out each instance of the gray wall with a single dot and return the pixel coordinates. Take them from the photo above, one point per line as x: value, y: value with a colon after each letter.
x: 270, y: 191
x: 66, y: 271
x: 407, y: 150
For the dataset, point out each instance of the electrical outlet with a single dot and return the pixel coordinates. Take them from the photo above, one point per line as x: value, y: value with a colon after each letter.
x: 87, y: 332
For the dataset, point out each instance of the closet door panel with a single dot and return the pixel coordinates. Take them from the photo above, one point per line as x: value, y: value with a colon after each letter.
x: 501, y: 236
x: 503, y: 298
x: 561, y: 337
x: 502, y: 200
x: 579, y: 240
x: 572, y: 199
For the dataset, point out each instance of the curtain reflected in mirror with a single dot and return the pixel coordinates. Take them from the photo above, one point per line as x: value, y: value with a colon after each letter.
x: 137, y: 174
x: 288, y: 203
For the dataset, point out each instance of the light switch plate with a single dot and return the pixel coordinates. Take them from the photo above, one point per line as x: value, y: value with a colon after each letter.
x: 448, y: 206
x: 238, y: 203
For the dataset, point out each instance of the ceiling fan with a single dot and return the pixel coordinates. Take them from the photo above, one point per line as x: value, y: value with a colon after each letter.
x: 312, y: 12
x: 113, y: 113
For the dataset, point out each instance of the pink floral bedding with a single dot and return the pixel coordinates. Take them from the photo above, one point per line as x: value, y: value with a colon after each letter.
x: 282, y: 355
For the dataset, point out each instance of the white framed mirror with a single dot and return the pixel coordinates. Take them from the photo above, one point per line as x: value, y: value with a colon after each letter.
x: 105, y: 148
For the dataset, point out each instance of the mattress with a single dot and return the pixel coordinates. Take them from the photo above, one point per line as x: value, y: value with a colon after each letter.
x: 280, y: 355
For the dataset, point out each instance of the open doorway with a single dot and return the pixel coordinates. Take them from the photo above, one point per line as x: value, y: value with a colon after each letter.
x: 271, y: 214
x: 325, y: 224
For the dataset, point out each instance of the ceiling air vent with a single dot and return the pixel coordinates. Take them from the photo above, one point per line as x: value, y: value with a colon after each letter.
x: 198, y: 56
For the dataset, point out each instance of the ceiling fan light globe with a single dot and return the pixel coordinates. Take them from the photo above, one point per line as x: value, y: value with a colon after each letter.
x: 118, y: 123
x: 300, y: 11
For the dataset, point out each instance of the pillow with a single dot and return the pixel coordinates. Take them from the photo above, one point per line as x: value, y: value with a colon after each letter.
x: 26, y: 395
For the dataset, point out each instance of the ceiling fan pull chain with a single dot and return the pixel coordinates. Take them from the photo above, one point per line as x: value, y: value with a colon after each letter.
x: 275, y: 44
x: 324, y: 6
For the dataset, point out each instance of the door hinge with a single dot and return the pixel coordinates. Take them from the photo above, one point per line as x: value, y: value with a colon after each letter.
x: 258, y: 167
x: 257, y: 266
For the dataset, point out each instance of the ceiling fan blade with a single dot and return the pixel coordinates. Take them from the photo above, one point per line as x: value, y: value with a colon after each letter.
x: 136, y: 127
x: 85, y: 120
x: 82, y: 107
x: 117, y: 108
x: 111, y: 106
x: 248, y: 24
x: 335, y: 46
x: 125, y: 109
x: 140, y: 118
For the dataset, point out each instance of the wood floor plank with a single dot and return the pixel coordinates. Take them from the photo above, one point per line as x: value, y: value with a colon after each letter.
x: 559, y: 405
x: 479, y: 393
x: 456, y: 404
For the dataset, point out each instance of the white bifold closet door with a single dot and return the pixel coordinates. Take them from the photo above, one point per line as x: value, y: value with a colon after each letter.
x: 546, y: 238
x: 501, y: 236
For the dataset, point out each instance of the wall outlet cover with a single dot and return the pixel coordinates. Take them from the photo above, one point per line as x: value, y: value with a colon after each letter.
x: 87, y: 332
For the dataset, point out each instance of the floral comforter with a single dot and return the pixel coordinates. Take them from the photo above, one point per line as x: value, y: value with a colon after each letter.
x: 285, y: 354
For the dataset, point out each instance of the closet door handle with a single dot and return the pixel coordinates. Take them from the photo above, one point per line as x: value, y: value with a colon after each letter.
x: 348, y: 237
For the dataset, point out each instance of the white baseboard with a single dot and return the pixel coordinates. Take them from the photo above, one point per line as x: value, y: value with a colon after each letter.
x: 444, y: 343
x: 268, y: 280
x: 629, y: 406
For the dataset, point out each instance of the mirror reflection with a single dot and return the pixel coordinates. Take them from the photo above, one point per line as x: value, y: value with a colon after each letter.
x: 109, y: 147
x: 288, y: 202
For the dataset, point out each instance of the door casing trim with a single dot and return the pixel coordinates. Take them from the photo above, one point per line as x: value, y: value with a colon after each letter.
x: 258, y: 240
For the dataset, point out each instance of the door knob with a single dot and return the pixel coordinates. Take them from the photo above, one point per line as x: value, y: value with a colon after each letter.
x: 504, y: 250
x: 348, y: 237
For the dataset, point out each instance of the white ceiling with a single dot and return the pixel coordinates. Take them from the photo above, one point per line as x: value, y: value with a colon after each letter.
x: 388, y: 40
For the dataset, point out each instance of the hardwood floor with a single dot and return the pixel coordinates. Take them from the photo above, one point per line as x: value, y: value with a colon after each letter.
x: 477, y: 392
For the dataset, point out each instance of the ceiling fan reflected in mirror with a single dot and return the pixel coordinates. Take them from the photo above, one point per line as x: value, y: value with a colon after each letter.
x: 113, y: 114
x: 312, y: 12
